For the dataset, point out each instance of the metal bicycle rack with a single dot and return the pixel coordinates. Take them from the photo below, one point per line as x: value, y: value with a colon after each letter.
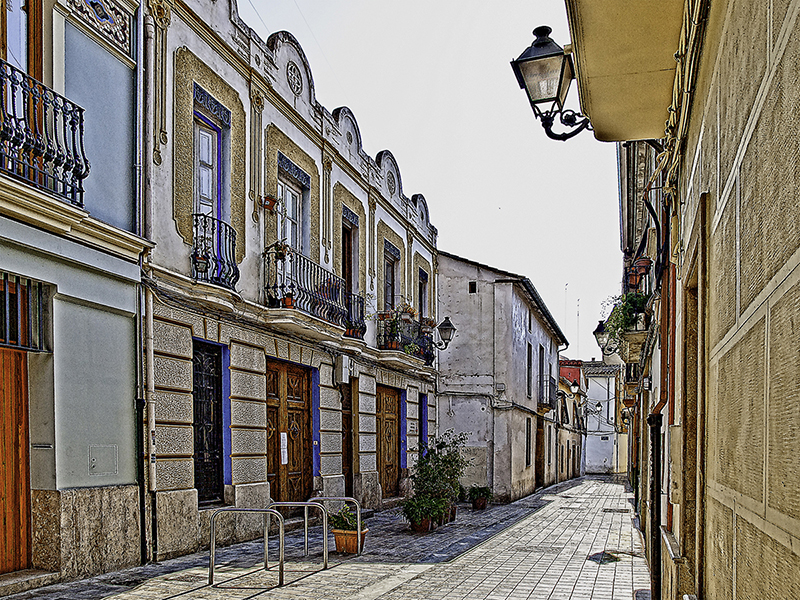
x: 344, y: 499
x: 265, y: 511
x: 305, y: 506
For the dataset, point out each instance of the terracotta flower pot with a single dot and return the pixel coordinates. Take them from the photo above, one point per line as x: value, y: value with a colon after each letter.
x: 421, y: 526
x: 347, y: 540
x: 479, y: 503
x: 288, y: 302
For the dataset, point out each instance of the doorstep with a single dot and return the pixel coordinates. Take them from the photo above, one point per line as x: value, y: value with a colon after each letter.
x: 28, y: 579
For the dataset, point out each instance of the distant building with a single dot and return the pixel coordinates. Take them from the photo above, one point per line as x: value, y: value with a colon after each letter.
x: 606, y: 435
x: 570, y: 419
x: 498, y: 377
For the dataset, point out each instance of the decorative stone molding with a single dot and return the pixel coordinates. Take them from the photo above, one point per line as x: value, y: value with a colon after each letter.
x: 384, y: 234
x: 256, y: 149
x: 107, y: 20
x: 345, y: 202
x: 161, y: 12
x: 420, y: 263
x: 189, y: 69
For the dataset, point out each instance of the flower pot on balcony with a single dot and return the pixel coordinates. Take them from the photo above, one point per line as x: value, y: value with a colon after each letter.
x: 288, y: 302
x: 393, y: 345
x: 201, y: 264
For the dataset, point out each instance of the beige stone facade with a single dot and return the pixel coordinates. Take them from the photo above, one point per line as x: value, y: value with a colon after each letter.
x: 721, y: 354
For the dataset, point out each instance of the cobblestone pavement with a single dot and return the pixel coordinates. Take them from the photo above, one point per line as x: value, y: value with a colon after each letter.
x: 571, y: 541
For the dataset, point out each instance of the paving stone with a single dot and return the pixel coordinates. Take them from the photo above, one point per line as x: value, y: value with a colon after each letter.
x: 552, y: 545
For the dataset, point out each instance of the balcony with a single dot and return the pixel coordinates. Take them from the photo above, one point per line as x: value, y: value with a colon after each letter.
x: 214, y: 254
x: 548, y: 389
x: 41, y: 136
x: 295, y: 281
x: 396, y: 332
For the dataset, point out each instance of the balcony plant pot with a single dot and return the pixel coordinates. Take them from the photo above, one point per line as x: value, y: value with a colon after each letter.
x: 346, y: 540
x: 201, y: 264
x: 393, y: 345
x: 479, y: 503
x: 288, y: 301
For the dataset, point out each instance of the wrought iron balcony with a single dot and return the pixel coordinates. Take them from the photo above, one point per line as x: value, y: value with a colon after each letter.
x: 214, y: 254
x: 295, y: 281
x: 41, y: 136
x: 548, y: 390
x: 396, y: 332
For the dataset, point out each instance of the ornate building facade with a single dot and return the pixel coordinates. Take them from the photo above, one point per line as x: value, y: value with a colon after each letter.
x: 290, y: 294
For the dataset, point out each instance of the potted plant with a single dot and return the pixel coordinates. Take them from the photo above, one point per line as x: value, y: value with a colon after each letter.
x: 406, y: 311
x: 200, y: 263
x: 288, y: 300
x: 412, y: 349
x: 418, y: 511
x: 344, y: 526
x: 626, y: 314
x: 479, y: 496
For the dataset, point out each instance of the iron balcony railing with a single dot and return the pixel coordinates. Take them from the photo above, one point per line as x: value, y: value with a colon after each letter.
x: 214, y: 254
x: 552, y: 391
x: 295, y: 281
x: 406, y: 335
x: 41, y: 136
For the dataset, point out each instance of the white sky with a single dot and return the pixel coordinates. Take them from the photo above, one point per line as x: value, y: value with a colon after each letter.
x: 430, y: 81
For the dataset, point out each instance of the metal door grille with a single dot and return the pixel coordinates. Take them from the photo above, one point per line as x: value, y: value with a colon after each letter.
x: 22, y: 310
x: 207, y: 394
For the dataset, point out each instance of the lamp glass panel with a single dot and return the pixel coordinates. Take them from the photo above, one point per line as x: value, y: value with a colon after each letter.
x: 566, y: 78
x: 542, y: 77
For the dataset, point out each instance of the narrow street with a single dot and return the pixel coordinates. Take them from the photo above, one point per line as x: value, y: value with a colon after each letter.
x: 575, y: 540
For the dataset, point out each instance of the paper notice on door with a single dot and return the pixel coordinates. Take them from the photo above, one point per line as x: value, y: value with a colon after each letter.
x: 284, y: 448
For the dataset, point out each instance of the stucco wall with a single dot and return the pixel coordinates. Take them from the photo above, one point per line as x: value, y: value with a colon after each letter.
x: 741, y: 157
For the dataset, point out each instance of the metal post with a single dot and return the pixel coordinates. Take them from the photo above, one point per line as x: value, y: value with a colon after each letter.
x: 654, y: 421
x: 325, y: 538
x: 266, y: 511
x: 305, y: 530
x: 213, y: 548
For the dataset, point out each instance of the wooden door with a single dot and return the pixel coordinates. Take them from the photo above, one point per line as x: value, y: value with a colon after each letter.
x: 388, y: 413
x: 539, y: 459
x: 289, y: 453
x: 347, y: 438
x: 15, y: 527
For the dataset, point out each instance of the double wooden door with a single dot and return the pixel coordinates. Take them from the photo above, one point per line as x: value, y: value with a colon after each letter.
x: 289, y: 447
x: 15, y: 507
x: 388, y: 417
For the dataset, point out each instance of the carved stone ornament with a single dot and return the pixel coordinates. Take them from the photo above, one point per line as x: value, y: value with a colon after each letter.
x: 161, y: 12
x: 294, y: 78
x: 391, y: 183
x: 257, y: 100
x: 107, y: 19
x: 349, y: 138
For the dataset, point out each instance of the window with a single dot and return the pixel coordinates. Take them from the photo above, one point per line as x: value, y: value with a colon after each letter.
x: 207, y: 151
x: 422, y: 294
x: 290, y: 216
x: 389, y: 275
x: 391, y: 264
x: 530, y: 321
x: 473, y: 287
x: 21, y: 49
x: 347, y: 257
x: 541, y: 373
x: 529, y: 370
x: 528, y: 441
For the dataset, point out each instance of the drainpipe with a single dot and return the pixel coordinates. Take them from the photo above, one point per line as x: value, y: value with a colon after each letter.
x: 151, y: 415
